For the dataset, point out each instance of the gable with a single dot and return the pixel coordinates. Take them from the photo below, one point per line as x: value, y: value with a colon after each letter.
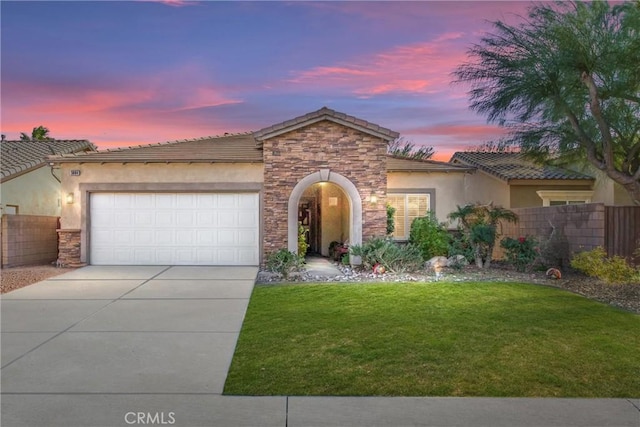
x: 321, y: 115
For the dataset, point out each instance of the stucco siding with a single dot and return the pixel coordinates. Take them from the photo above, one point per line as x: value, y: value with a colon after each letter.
x: 483, y: 188
x: 35, y: 193
x: 449, y: 188
x: 526, y: 196
x: 194, y: 176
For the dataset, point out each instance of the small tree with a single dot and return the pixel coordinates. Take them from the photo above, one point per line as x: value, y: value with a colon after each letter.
x: 391, y: 222
x: 566, y: 84
x: 480, y: 224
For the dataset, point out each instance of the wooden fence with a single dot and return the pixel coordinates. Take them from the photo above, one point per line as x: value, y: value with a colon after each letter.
x: 29, y: 240
x: 622, y: 232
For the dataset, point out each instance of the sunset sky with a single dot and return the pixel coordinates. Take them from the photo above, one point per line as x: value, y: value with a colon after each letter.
x: 125, y: 73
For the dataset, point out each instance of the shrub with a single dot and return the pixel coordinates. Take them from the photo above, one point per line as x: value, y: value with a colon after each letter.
x: 520, y: 252
x: 393, y: 257
x: 391, y: 222
x: 431, y: 237
x: 284, y: 262
x: 595, y: 263
x: 302, y: 241
x: 459, y: 245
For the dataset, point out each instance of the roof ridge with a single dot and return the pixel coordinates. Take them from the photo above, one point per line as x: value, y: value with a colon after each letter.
x: 154, y: 144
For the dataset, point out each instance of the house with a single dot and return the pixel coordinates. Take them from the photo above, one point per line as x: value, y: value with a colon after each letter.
x: 512, y: 181
x: 233, y: 199
x: 29, y: 186
x: 31, y: 200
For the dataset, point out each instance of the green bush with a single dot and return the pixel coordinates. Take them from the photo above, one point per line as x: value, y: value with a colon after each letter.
x: 386, y: 252
x: 284, y: 262
x: 431, y: 237
x: 303, y: 246
x: 391, y: 222
x: 520, y: 252
x: 595, y: 263
x: 459, y: 244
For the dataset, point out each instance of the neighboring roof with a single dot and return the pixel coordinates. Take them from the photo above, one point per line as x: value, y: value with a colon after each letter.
x: 228, y: 148
x: 513, y: 166
x: 397, y: 164
x: 325, y: 114
x: 19, y: 157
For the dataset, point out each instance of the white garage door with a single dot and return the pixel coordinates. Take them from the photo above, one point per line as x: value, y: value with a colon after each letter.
x: 174, y: 229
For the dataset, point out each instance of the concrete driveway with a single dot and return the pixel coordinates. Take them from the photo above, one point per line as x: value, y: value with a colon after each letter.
x: 111, y: 346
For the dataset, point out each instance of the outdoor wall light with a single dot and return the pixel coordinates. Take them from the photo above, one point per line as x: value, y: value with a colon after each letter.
x: 70, y: 198
x: 373, y: 199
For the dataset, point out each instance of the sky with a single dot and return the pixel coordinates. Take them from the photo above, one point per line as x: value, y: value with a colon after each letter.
x: 122, y: 73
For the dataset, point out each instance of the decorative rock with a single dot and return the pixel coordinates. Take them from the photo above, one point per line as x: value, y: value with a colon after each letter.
x: 436, y: 263
x: 457, y: 261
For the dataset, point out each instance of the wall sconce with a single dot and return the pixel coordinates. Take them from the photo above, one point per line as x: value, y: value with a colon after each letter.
x: 373, y: 199
x: 69, y: 198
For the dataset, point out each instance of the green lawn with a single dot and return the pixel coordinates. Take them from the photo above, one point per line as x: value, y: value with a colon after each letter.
x: 434, y: 339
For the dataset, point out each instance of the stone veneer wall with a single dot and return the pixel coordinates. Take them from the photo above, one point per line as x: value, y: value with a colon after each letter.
x: 289, y: 157
x: 69, y: 248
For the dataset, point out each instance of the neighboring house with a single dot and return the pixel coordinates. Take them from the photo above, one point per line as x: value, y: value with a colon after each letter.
x: 232, y: 199
x: 29, y: 185
x: 511, y: 181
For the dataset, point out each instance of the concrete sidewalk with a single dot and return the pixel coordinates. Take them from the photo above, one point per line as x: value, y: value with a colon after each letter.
x: 119, y: 346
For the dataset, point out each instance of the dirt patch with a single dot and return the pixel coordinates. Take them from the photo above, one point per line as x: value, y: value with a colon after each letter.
x: 19, y: 277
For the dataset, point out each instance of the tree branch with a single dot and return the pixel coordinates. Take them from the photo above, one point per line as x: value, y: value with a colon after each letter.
x: 596, y: 112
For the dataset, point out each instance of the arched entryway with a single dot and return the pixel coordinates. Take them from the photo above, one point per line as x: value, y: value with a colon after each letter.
x: 352, y: 197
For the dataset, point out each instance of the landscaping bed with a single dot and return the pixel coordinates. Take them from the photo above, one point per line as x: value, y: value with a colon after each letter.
x: 625, y: 296
x: 18, y: 277
x: 434, y: 339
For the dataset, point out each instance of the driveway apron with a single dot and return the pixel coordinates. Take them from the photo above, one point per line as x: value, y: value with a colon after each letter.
x: 110, y: 345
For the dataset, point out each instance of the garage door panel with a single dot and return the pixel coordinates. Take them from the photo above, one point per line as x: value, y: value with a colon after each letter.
x: 174, y: 228
x: 247, y: 219
x: 143, y: 218
x: 207, y: 237
x: 247, y: 237
x: 245, y: 201
x: 165, y: 201
x: 164, y: 218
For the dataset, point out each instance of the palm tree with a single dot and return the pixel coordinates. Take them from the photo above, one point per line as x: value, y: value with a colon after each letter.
x: 480, y: 224
x: 39, y: 133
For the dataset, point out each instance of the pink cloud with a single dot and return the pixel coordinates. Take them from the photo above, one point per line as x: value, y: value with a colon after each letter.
x: 156, y: 108
x: 419, y: 68
x: 476, y: 131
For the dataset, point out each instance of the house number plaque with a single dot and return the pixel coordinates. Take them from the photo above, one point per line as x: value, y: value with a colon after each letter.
x: 75, y: 172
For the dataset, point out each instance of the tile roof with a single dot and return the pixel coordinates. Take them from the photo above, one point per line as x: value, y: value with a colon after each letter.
x: 21, y: 156
x: 228, y: 148
x: 325, y: 114
x: 397, y: 164
x: 510, y: 166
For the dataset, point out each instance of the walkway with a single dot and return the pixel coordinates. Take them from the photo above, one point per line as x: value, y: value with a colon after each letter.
x: 321, y: 267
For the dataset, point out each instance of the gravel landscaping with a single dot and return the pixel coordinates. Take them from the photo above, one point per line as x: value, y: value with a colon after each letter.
x: 19, y: 277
